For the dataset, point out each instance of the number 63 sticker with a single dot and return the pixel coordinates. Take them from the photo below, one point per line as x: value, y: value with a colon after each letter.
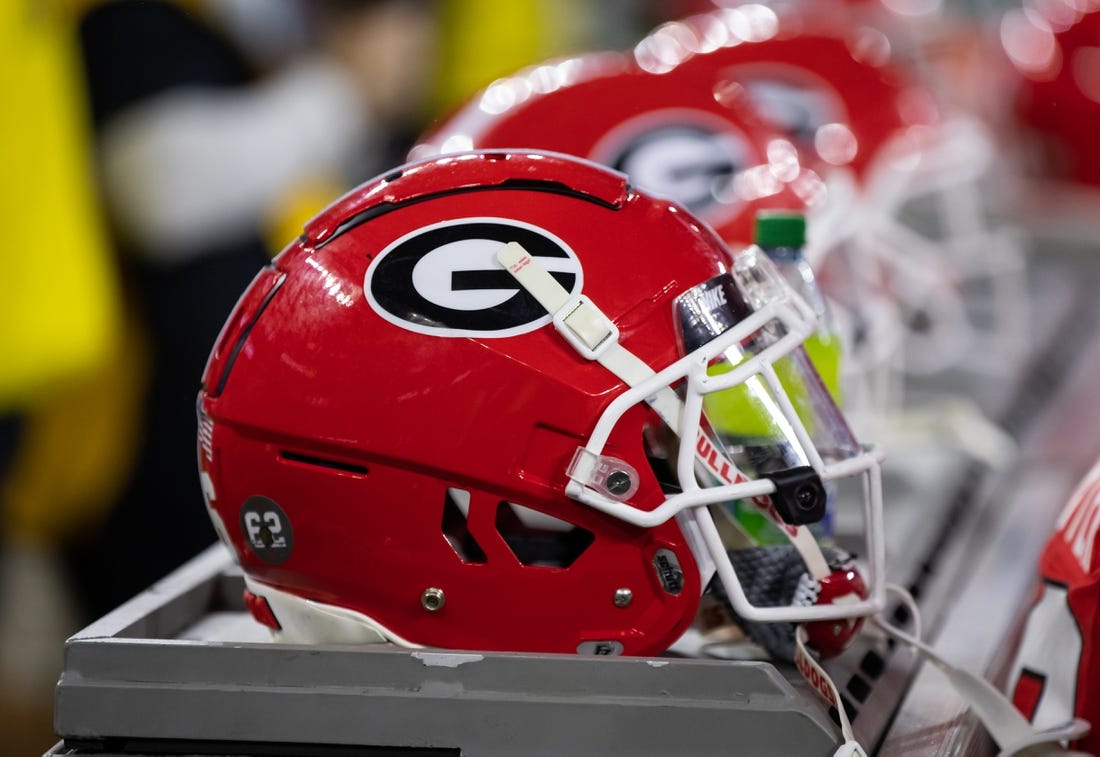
x: 267, y: 529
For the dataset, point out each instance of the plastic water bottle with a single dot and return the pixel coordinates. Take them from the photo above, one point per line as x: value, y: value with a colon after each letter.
x: 781, y: 235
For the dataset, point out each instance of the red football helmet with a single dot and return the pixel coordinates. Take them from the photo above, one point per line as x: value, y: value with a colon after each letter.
x: 919, y: 279
x: 1055, y: 48
x: 468, y: 408
x: 718, y: 159
x: 876, y: 135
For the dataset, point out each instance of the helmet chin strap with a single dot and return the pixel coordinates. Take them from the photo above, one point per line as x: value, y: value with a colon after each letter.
x: 824, y: 687
x: 595, y: 337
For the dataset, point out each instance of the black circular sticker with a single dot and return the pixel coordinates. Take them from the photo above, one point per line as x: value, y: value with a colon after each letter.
x: 689, y: 163
x: 267, y: 529
x: 444, y: 279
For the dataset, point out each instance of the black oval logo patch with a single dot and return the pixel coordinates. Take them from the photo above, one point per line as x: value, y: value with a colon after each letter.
x: 445, y: 280
x: 791, y: 99
x: 668, y: 155
x: 798, y: 111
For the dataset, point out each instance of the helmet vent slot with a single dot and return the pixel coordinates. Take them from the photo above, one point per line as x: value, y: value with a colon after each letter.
x: 323, y: 462
x: 540, y: 540
x: 456, y: 508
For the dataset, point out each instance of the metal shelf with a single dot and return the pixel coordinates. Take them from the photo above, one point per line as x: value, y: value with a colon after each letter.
x: 181, y: 667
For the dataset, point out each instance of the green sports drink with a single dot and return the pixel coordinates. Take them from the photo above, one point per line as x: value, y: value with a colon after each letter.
x: 782, y: 237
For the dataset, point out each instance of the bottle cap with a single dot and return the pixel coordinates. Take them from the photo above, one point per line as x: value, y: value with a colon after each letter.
x: 780, y: 228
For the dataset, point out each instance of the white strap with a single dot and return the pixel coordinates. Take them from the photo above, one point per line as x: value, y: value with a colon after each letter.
x: 1010, y: 730
x: 581, y: 323
x: 533, y: 277
x: 807, y: 546
x: 823, y: 685
x: 1008, y: 727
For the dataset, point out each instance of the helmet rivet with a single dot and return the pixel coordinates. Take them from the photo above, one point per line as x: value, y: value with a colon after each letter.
x: 618, y: 482
x: 433, y: 599
x: 623, y: 597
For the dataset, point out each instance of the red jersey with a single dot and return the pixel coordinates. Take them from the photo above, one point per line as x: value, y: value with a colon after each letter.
x: 1056, y: 675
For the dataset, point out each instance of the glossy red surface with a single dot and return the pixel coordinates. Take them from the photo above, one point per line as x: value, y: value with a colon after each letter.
x: 260, y: 610
x: 842, y: 74
x: 832, y: 637
x: 606, y: 108
x: 356, y: 426
x: 1057, y: 92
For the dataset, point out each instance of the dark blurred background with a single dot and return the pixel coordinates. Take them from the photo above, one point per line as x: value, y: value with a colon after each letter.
x: 156, y: 154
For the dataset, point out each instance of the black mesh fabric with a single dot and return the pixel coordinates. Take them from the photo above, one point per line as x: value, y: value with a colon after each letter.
x: 774, y: 576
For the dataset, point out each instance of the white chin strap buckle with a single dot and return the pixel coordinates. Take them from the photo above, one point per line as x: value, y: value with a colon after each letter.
x: 581, y: 323
x: 586, y: 328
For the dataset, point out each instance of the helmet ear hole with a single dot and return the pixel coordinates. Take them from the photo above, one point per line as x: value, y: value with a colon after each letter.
x: 661, y: 445
x: 540, y: 540
x: 456, y: 510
